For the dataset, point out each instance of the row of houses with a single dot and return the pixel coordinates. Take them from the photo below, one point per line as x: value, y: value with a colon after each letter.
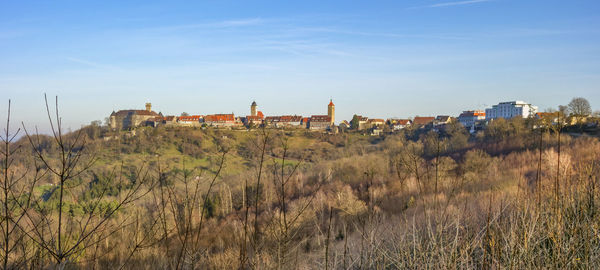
x: 472, y: 120
x: 126, y: 119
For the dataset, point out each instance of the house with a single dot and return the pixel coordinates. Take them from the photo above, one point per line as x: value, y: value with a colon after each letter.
x: 284, y: 121
x: 510, y: 109
x: 376, y: 122
x: 344, y: 125
x: 398, y: 124
x: 220, y: 120
x: 362, y: 121
x: 319, y: 122
x: 158, y: 121
x: 423, y: 120
x: 547, y: 117
x: 323, y: 122
x: 305, y: 122
x: 125, y: 119
x: 255, y: 118
x: 442, y: 120
x: 470, y: 119
x: 190, y: 120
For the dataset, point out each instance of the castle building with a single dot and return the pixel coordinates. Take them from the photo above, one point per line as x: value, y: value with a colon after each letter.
x: 125, y: 119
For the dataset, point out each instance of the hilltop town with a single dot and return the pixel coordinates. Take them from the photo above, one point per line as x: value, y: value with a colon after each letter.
x: 472, y: 120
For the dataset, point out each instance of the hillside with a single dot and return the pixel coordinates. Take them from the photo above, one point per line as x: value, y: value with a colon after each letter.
x: 159, y: 198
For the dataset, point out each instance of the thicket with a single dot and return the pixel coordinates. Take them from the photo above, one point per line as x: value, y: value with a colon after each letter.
x: 519, y: 195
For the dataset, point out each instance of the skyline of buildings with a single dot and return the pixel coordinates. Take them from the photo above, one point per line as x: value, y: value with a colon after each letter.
x: 470, y: 119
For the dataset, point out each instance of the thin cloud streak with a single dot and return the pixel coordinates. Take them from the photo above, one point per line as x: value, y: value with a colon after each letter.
x: 213, y: 25
x: 90, y: 63
x: 449, y: 4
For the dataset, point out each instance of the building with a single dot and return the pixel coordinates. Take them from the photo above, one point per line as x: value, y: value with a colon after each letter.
x: 220, y: 120
x: 164, y: 121
x: 284, y: 121
x: 423, y: 120
x: 374, y: 122
x: 360, y: 121
x: 125, y: 119
x: 190, y: 120
x: 321, y: 122
x: 331, y: 111
x: 253, y: 109
x: 551, y: 118
x: 255, y: 118
x: 510, y: 109
x: 305, y: 122
x: 470, y: 119
x: 398, y: 124
x: 442, y: 120
x: 344, y: 125
x: 324, y: 121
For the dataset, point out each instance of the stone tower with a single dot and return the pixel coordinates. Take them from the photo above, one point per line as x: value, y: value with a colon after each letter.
x: 253, y: 108
x: 149, y: 106
x: 331, y: 111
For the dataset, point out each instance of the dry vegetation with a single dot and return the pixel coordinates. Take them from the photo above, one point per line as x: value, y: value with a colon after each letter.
x: 512, y: 197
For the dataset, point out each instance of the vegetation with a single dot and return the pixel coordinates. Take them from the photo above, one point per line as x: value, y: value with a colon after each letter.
x: 520, y: 194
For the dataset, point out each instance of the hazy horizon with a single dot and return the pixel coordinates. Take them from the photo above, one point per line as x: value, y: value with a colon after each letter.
x: 386, y: 60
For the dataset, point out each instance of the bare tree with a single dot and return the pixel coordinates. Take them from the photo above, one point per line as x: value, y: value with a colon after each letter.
x: 579, y: 107
x: 15, y: 201
x: 65, y: 237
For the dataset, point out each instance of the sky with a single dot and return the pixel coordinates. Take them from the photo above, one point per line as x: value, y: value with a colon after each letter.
x: 380, y: 59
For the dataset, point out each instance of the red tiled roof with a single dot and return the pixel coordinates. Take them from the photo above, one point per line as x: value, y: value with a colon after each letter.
x: 403, y: 122
x: 472, y: 113
x: 423, y: 120
x: 320, y: 118
x: 190, y: 118
x: 284, y: 118
x: 219, y: 118
x: 330, y: 103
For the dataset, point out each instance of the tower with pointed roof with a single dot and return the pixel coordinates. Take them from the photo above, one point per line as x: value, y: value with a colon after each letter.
x: 331, y: 111
x: 253, y: 108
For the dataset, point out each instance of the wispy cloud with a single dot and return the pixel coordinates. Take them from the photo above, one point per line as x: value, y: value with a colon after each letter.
x: 444, y: 36
x: 213, y: 25
x: 90, y: 63
x: 455, y: 3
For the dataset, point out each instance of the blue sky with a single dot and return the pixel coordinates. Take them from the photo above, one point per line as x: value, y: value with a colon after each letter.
x: 377, y: 58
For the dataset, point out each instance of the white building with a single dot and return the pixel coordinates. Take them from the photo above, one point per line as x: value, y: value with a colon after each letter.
x: 510, y: 109
x: 470, y: 118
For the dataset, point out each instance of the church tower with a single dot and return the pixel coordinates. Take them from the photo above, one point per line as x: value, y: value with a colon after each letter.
x: 253, y: 108
x: 331, y: 111
x: 149, y: 107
